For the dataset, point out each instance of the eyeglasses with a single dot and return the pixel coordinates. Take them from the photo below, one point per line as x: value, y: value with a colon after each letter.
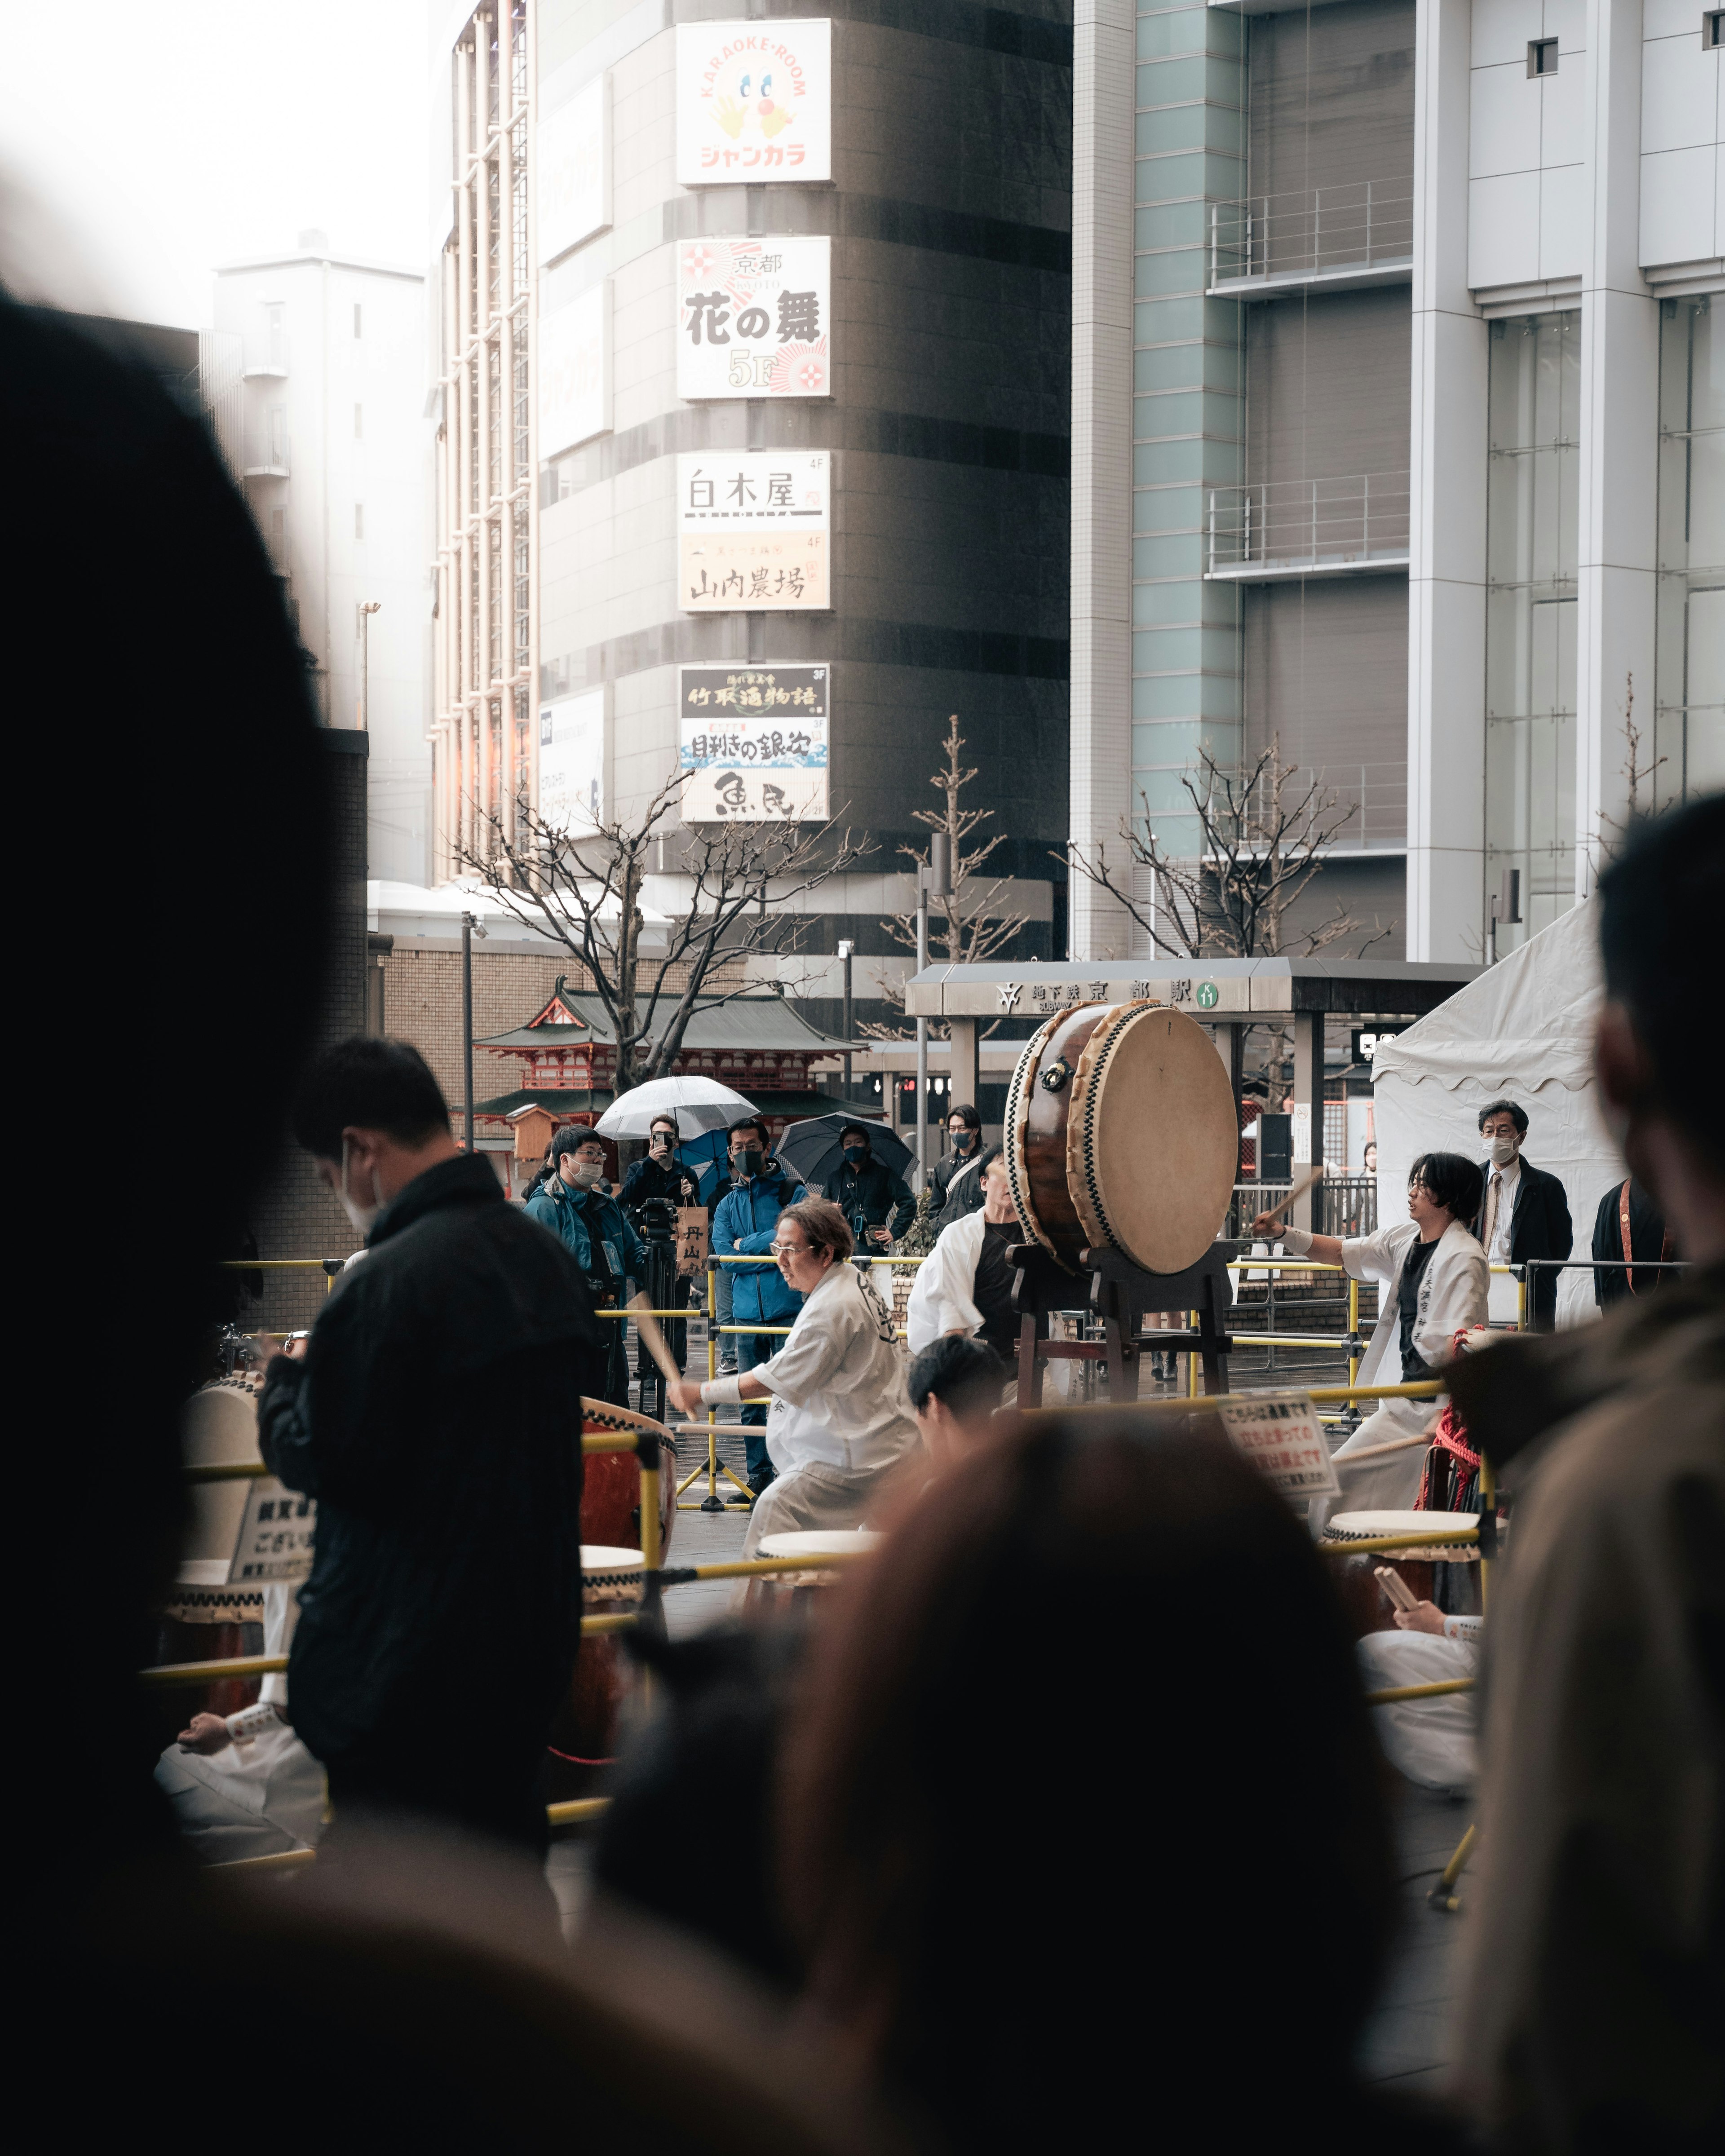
x: 785, y: 1249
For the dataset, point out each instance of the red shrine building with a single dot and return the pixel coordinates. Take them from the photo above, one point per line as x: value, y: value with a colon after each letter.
x: 567, y: 1068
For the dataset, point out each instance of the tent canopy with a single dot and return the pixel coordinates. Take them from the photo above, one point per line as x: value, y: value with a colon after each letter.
x: 1523, y: 1031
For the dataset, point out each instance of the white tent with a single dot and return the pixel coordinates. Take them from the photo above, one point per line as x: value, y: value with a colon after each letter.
x: 1524, y: 1029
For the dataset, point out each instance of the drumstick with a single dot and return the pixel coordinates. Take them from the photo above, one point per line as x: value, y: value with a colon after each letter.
x: 1299, y: 1190
x: 642, y: 1307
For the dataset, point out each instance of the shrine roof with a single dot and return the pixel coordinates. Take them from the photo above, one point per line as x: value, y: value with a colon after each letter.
x: 744, y: 1022
x: 577, y: 1101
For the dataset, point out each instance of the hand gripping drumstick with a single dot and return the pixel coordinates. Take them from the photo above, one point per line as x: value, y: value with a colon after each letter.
x: 642, y: 1307
x: 1299, y: 1190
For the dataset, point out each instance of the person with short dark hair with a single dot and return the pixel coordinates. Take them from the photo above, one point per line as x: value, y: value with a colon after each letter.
x: 873, y: 1200
x: 840, y: 1419
x: 744, y: 1224
x: 576, y: 1205
x: 659, y: 1176
x: 1432, y: 1284
x: 1525, y: 1211
x: 964, y: 1285
x: 435, y: 1415
x: 956, y: 1178
x: 1597, y: 1949
x: 955, y: 1386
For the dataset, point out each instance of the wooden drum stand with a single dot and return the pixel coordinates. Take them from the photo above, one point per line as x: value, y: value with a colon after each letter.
x: 1121, y: 1293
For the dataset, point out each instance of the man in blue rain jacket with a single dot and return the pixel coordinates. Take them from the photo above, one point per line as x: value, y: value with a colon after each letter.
x: 743, y: 1226
x: 593, y: 1228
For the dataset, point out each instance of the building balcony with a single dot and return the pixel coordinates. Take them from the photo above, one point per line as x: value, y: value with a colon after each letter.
x: 1339, y: 238
x: 1377, y: 792
x: 1352, y: 526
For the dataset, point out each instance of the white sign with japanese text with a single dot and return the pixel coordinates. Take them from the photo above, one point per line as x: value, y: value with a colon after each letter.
x: 575, y: 371
x: 1281, y: 1434
x: 572, y: 762
x: 276, y: 1535
x: 752, y: 529
x: 753, y: 742
x: 572, y: 158
x: 752, y: 318
x: 754, y: 101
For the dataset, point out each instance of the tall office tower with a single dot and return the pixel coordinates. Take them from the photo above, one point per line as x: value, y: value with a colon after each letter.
x: 754, y: 457
x: 331, y: 451
x: 1425, y: 431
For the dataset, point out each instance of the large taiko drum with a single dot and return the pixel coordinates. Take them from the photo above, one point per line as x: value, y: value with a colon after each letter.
x: 1120, y: 1134
x: 611, y: 1481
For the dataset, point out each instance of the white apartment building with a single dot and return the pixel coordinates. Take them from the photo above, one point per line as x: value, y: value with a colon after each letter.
x: 329, y: 427
x: 1399, y: 431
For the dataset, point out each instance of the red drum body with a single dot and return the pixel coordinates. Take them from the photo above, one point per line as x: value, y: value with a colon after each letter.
x: 611, y: 1481
x: 1120, y: 1134
x: 584, y: 1738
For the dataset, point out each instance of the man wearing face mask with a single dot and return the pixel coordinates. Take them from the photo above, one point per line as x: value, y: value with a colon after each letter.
x: 593, y: 1227
x: 743, y: 1227
x: 869, y: 1194
x: 1525, y: 1213
x: 435, y: 1415
x: 956, y: 1178
x: 661, y: 1176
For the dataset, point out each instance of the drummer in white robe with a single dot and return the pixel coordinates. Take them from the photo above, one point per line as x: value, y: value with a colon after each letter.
x: 964, y: 1285
x: 838, y: 1418
x: 1433, y: 1280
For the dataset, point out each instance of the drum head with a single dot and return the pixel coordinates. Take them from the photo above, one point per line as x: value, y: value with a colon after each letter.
x: 1152, y: 1138
x: 219, y: 1423
x: 598, y: 1561
x: 1358, y: 1526
x: 827, y: 1542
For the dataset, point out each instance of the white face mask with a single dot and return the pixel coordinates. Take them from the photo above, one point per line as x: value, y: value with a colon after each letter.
x: 1500, y: 1152
x: 363, y: 1217
x: 587, y: 1175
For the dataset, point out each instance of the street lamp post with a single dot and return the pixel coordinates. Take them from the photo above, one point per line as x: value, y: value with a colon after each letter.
x: 366, y: 612
x: 844, y: 955
x: 469, y: 928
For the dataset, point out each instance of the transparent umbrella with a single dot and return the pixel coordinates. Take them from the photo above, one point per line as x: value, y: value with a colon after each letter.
x: 699, y: 1104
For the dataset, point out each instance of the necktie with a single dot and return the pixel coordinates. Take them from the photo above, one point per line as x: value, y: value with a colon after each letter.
x: 1496, y: 1201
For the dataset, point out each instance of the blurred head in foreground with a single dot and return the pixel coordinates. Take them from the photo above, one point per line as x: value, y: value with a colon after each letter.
x: 1047, y: 1739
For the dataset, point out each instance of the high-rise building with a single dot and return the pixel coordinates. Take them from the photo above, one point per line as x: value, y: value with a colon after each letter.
x: 754, y: 456
x: 329, y: 443
x: 1399, y: 434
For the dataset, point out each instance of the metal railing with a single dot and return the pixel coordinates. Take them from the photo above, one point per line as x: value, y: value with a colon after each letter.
x: 1311, y: 231
x: 1353, y: 520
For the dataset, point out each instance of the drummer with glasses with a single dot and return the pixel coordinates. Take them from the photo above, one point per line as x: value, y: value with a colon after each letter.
x: 1432, y: 1278
x: 839, y: 1418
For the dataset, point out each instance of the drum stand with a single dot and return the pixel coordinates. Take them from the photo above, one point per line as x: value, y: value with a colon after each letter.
x: 1121, y: 1293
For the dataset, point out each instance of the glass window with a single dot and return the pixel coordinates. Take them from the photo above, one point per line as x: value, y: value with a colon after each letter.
x: 1156, y: 605
x: 1533, y: 423
x: 1173, y: 509
x: 1688, y: 746
x: 1167, y: 179
x: 1186, y: 270
x: 1156, y: 416
x: 1173, y: 82
x: 1180, y: 32
x: 1172, y: 224
x: 1173, y: 367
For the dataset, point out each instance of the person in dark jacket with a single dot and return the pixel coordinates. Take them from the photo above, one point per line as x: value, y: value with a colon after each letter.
x: 872, y: 1199
x: 1629, y: 1223
x: 1525, y: 1213
x: 436, y: 1417
x: 593, y: 1228
x: 955, y: 1179
x: 744, y: 1226
x: 662, y: 1176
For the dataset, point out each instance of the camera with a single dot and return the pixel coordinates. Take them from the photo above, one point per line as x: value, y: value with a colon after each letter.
x: 657, y: 1220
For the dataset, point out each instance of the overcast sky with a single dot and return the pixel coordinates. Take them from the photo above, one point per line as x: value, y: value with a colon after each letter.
x: 163, y: 140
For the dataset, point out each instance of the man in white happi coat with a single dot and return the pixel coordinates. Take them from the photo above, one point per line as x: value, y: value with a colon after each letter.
x: 964, y: 1285
x: 1433, y: 1280
x: 838, y: 1418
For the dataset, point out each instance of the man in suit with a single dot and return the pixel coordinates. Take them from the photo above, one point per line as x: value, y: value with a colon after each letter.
x: 1525, y: 1213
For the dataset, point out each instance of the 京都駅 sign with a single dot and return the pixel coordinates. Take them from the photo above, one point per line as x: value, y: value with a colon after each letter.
x: 752, y: 318
x: 753, y: 743
x: 754, y: 101
x: 752, y: 531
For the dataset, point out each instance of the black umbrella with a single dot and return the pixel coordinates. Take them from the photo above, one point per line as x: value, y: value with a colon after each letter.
x: 811, y: 1150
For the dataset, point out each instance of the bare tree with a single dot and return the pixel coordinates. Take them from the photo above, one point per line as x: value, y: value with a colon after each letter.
x: 1614, y: 829
x: 971, y: 925
x: 585, y: 892
x: 1263, y: 836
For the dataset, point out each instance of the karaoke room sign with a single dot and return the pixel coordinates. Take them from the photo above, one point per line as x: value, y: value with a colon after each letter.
x: 754, y: 101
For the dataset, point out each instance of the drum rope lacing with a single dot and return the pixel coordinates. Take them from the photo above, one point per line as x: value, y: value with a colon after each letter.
x: 1017, y: 1170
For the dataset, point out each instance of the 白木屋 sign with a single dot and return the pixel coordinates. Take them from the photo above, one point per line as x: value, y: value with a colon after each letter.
x: 753, y: 743
x: 752, y: 318
x: 754, y: 101
x: 752, y: 531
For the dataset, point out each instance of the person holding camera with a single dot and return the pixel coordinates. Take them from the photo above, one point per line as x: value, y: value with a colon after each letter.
x: 654, y: 1191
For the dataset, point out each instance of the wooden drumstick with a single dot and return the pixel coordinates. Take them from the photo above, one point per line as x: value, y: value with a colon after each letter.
x: 1299, y: 1190
x: 655, y: 1338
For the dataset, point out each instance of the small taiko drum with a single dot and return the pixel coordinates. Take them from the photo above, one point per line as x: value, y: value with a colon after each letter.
x: 1368, y: 1607
x: 584, y: 1738
x: 774, y: 1592
x: 611, y: 1481
x: 1120, y: 1134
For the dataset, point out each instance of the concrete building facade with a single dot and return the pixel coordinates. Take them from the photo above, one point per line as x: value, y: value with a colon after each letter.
x: 1410, y: 354
x: 326, y: 431
x: 934, y: 394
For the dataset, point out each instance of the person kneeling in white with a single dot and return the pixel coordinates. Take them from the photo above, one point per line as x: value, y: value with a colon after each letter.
x: 1434, y: 1282
x: 839, y: 1417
